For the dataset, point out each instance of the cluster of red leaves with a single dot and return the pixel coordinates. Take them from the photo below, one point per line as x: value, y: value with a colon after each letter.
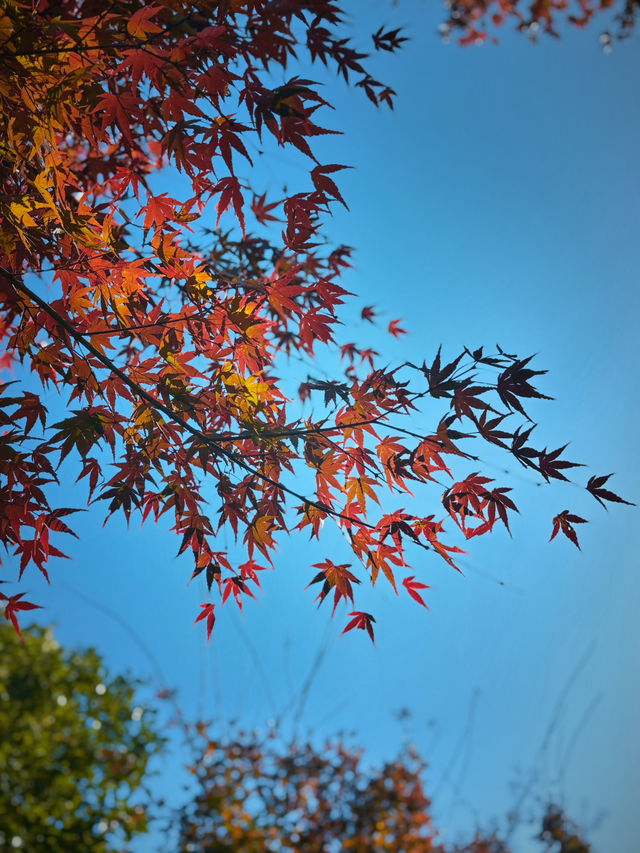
x: 164, y: 346
x: 469, y: 20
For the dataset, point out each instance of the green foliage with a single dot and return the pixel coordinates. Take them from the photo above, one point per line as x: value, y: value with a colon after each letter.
x: 74, y: 748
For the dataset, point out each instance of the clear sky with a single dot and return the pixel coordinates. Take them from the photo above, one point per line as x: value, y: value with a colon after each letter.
x: 498, y: 202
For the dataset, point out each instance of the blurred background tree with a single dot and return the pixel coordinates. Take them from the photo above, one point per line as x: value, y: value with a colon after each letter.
x: 75, y: 747
x: 256, y: 793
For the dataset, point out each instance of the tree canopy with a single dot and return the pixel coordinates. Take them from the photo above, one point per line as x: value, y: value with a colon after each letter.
x: 74, y: 748
x: 155, y: 326
x: 472, y: 20
x: 254, y: 793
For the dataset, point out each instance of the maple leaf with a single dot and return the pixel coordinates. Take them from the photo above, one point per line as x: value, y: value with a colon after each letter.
x: 488, y: 428
x: 466, y: 398
x: 229, y: 189
x: 212, y: 572
x: 236, y: 585
x: 248, y: 570
x: 368, y: 313
x: 394, y: 329
x: 468, y: 500
x: 594, y: 487
x: 564, y: 521
x: 430, y: 530
x: 334, y: 577
x: 348, y: 351
x: 15, y: 605
x: 439, y: 378
x: 91, y: 468
x: 32, y: 410
x: 311, y: 515
x: 412, y: 585
x: 259, y: 534
x: 52, y: 521
x: 158, y: 210
x: 360, y: 620
x: 368, y: 355
x: 207, y: 613
x: 551, y: 467
x: 389, y: 41
x: 426, y: 458
x: 139, y: 24
x: 260, y: 209
x: 396, y: 525
x: 358, y: 489
x: 524, y: 455
x: 331, y: 389
x: 325, y: 184
x: 514, y: 383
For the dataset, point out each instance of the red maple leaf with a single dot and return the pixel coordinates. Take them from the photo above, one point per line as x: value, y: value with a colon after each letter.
x: 325, y: 184
x: 362, y: 621
x: 336, y: 578
x: 411, y: 586
x: 394, y: 329
x: 229, y: 189
x: 237, y: 585
x: 13, y: 606
x: 207, y: 613
x: 594, y: 486
x: 550, y: 465
x: 260, y: 209
x: 564, y: 521
x: 139, y: 24
x: 368, y: 313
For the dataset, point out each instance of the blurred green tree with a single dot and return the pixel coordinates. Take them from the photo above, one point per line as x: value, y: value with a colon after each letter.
x: 74, y: 749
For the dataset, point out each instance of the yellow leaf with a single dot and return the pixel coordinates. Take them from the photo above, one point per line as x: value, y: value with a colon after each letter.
x: 78, y: 300
x: 41, y: 184
x: 21, y: 212
x: 6, y: 29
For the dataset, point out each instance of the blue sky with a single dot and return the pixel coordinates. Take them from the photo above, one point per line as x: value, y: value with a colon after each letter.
x: 498, y: 202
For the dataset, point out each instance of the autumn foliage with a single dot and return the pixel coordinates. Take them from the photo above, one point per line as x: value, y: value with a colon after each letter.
x: 158, y: 323
x: 472, y: 21
x: 255, y: 793
x: 76, y: 774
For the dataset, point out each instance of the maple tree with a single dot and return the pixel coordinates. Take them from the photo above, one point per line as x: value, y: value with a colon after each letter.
x: 255, y: 793
x: 163, y: 347
x: 472, y: 20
